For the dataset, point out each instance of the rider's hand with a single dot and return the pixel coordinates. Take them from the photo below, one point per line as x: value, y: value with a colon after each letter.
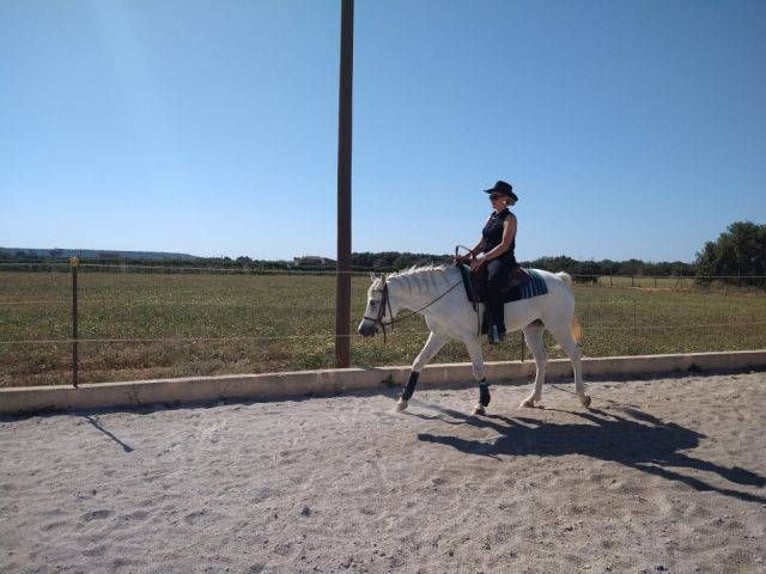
x: 476, y: 263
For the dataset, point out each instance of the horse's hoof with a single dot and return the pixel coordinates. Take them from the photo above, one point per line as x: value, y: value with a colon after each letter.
x: 401, y: 405
x: 527, y: 404
x: 479, y: 410
x: 585, y: 400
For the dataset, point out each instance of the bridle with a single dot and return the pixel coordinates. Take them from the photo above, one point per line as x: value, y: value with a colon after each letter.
x: 385, y: 301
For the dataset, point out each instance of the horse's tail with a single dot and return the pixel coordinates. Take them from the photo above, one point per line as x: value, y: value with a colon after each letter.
x: 566, y: 278
x: 575, y: 328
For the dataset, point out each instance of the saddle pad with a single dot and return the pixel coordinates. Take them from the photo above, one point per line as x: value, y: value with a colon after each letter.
x: 532, y: 288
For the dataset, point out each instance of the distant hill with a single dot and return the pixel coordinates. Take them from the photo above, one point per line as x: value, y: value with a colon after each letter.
x: 21, y: 253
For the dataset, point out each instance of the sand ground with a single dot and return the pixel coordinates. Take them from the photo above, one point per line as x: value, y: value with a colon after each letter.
x: 660, y: 475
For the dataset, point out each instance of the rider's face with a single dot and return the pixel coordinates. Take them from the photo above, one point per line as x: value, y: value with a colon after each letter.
x: 497, y: 199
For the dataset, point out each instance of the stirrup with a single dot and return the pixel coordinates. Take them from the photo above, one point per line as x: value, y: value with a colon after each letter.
x: 495, y: 335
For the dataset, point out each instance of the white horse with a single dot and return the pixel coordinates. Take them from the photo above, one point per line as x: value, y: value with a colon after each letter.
x: 439, y: 295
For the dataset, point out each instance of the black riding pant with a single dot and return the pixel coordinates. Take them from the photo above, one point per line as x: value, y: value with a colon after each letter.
x: 497, y: 279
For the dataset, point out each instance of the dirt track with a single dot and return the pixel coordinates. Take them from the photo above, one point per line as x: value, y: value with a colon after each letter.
x: 660, y: 475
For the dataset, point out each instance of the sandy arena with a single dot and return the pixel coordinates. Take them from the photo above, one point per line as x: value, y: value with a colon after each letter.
x: 661, y: 475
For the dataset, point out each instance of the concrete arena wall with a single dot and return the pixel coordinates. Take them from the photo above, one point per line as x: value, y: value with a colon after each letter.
x: 296, y: 385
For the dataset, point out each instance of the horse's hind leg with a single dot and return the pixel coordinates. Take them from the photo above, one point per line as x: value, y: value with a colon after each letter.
x: 533, y: 335
x: 434, y: 343
x: 574, y: 352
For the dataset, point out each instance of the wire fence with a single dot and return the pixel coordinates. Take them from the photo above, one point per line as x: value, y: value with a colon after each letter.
x: 65, y: 324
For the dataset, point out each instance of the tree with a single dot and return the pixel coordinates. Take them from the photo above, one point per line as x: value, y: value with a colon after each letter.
x: 560, y: 263
x: 587, y: 272
x: 739, y: 254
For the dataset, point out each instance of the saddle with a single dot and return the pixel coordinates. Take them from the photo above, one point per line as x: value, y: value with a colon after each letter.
x: 476, y: 284
x: 521, y: 285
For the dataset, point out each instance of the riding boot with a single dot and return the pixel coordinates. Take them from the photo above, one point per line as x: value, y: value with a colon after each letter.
x: 493, y: 335
x: 496, y: 334
x: 497, y: 323
x: 497, y: 278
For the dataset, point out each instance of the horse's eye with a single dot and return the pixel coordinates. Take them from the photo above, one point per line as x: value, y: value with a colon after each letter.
x: 373, y: 302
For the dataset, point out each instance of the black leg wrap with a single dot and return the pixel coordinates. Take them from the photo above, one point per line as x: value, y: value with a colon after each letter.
x: 484, y: 396
x: 410, y: 386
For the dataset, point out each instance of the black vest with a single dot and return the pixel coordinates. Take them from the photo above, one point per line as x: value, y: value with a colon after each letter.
x: 493, y: 235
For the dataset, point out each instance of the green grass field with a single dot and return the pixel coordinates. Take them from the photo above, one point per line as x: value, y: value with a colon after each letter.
x: 135, y: 326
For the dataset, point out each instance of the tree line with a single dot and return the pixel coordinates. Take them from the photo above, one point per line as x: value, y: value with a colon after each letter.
x: 395, y: 260
x: 737, y: 256
x: 386, y: 261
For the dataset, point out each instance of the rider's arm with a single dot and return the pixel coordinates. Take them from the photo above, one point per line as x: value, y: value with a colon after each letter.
x: 471, y: 255
x: 509, y: 232
x: 478, y: 248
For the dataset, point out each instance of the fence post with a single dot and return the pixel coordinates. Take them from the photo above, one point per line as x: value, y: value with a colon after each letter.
x: 521, y: 346
x: 635, y: 313
x: 74, y: 262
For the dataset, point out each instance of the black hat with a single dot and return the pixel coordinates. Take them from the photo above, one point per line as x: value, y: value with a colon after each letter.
x: 504, y: 188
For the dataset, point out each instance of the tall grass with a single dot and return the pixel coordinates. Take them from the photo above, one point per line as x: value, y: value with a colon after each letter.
x: 135, y: 326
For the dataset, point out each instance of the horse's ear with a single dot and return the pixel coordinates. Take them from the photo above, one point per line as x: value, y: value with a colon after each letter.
x: 372, y: 276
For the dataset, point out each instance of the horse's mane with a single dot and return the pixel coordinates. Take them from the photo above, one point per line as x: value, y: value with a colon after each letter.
x: 417, y: 269
x: 417, y: 278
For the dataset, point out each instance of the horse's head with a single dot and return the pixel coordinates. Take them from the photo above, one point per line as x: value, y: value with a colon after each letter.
x: 377, y: 303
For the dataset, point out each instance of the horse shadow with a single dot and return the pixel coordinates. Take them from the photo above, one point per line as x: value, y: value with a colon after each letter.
x: 624, y: 435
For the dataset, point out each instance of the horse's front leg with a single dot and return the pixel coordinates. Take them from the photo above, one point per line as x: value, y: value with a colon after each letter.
x: 473, y: 345
x: 433, y: 345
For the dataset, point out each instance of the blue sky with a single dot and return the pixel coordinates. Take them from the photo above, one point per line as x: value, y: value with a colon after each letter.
x: 629, y: 129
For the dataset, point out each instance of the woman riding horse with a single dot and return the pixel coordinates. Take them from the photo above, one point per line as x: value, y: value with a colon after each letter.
x: 497, y: 243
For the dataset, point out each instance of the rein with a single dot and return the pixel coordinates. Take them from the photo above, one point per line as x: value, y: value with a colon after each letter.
x: 385, y: 302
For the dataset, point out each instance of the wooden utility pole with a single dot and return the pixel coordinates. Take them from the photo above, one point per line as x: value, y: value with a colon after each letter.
x: 343, y: 292
x: 74, y: 263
